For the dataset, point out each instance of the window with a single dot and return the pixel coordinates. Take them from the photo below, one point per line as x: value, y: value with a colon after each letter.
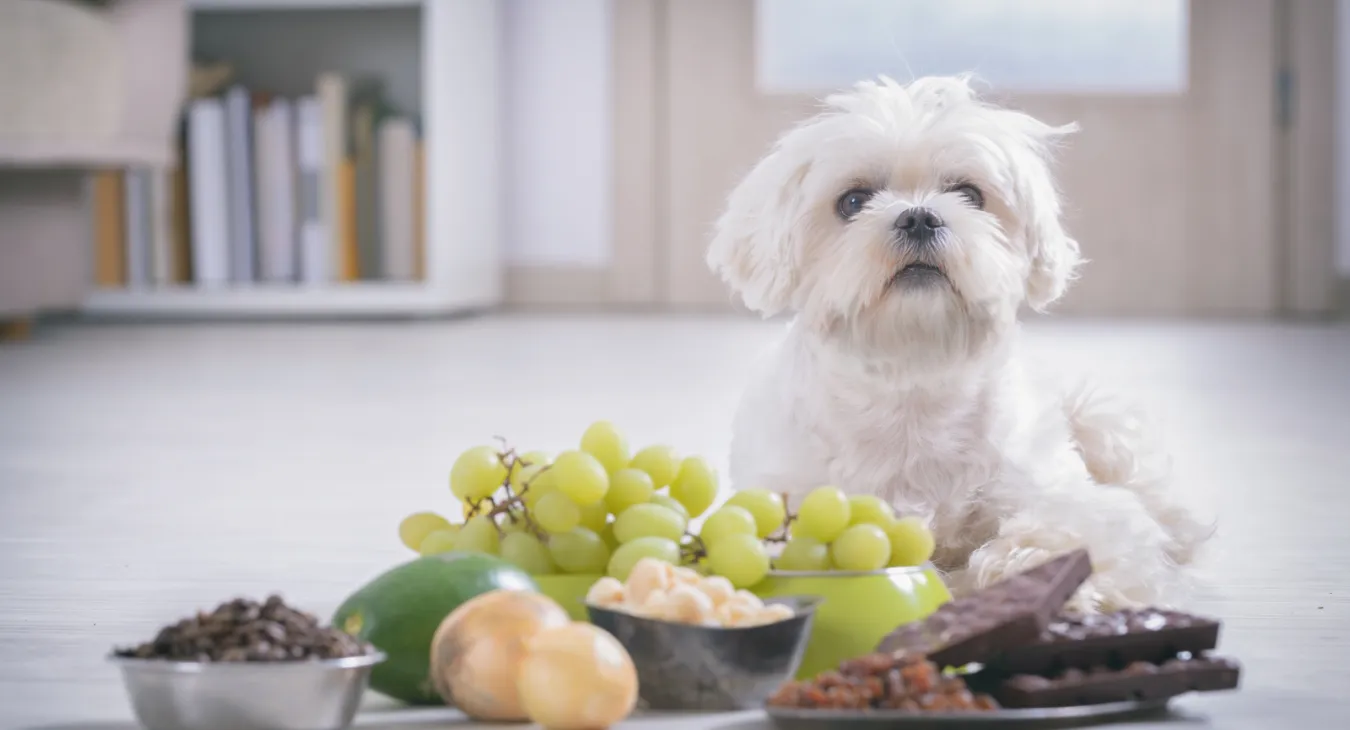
x: 1076, y: 46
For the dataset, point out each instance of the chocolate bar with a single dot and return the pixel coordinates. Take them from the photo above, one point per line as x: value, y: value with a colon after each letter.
x: 1005, y: 615
x: 1111, y: 640
x: 1142, y: 681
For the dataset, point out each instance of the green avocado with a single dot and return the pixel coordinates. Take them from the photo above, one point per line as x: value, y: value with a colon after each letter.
x: 399, y: 611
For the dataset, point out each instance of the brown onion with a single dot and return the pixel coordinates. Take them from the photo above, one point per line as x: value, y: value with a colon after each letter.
x: 577, y: 677
x: 477, y: 650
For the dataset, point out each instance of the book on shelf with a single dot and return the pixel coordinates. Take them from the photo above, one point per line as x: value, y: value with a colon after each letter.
x: 320, y: 188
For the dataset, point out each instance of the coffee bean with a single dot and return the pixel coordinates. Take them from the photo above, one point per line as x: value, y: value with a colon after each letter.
x: 274, y: 631
x: 244, y: 630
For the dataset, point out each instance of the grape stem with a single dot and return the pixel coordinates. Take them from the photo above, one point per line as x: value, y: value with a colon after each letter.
x: 505, y: 505
x: 694, y: 550
x: 781, y: 534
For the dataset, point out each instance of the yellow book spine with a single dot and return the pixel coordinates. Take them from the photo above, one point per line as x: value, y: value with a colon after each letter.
x: 350, y: 251
x: 110, y: 246
x: 181, y: 245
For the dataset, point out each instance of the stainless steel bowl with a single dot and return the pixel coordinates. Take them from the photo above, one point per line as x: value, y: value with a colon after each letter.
x: 706, y: 668
x: 299, y: 695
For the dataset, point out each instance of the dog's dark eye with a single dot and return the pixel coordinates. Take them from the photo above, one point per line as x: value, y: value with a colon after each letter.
x: 971, y: 193
x: 851, y: 203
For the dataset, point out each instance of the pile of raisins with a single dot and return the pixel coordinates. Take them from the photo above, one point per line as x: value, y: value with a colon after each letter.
x: 884, y: 682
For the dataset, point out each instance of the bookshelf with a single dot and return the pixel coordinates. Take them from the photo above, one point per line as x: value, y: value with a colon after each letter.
x: 455, y: 94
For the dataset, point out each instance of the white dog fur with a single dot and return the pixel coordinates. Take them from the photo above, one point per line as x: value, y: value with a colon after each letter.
x: 913, y: 386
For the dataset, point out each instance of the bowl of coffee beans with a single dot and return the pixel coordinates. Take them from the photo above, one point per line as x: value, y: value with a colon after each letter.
x: 247, y: 665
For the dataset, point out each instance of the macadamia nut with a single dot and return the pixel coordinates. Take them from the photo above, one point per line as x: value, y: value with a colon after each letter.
x: 661, y: 591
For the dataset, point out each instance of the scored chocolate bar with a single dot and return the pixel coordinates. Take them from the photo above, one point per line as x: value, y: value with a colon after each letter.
x: 1111, y: 640
x: 1007, y: 614
x: 1141, y: 681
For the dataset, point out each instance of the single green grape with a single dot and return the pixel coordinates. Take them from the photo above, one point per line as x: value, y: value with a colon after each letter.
x: 594, y: 516
x: 869, y: 509
x: 804, y: 553
x: 527, y: 553
x: 911, y: 541
x: 580, y: 476
x: 524, y: 475
x: 537, y: 485
x: 728, y: 520
x: 628, y: 554
x: 607, y: 444
x: 556, y: 513
x: 862, y: 547
x: 766, y: 507
x: 579, y: 551
x: 823, y: 514
x: 534, y: 458
x: 695, y: 485
x: 670, y: 503
x: 415, y: 527
x: 526, y: 466
x: 741, y: 559
x: 439, y: 541
x: 648, y: 520
x: 628, y: 487
x: 479, y: 535
x: 660, y: 462
x: 477, y: 473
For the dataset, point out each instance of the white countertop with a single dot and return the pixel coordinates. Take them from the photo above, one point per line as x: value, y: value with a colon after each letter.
x: 146, y: 472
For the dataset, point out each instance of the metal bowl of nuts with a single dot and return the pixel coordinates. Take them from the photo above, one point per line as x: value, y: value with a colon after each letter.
x: 696, y: 642
x: 247, y: 666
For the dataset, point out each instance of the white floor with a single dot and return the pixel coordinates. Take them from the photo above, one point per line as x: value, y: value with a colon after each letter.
x: 146, y: 471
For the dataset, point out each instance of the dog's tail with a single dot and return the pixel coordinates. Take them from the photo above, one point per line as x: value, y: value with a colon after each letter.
x: 1120, y: 448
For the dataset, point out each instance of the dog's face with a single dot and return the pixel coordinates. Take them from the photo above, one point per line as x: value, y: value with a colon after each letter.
x: 902, y: 219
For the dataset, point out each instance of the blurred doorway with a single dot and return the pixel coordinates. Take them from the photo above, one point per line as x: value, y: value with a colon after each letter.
x: 1175, y: 186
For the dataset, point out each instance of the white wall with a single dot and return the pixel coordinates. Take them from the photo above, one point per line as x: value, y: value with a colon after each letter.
x: 1343, y: 138
x: 558, y: 105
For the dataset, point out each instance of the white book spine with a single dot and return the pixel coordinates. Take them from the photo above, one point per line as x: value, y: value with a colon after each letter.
x: 161, y: 227
x: 209, y: 200
x: 332, y: 95
x: 397, y: 141
x: 275, y: 170
x: 314, y: 238
x: 238, y: 124
x: 136, y: 204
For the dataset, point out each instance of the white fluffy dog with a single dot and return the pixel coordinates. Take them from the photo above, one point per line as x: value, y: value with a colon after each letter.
x: 905, y: 227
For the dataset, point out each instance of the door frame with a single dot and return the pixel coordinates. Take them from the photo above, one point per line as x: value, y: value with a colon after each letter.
x: 1303, y: 185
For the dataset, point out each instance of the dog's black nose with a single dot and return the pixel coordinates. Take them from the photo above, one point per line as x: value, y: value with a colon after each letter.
x: 919, y: 223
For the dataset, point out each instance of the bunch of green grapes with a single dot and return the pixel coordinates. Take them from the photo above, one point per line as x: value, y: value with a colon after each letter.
x: 832, y: 531
x: 596, y: 509
x: 600, y: 508
x: 829, y: 531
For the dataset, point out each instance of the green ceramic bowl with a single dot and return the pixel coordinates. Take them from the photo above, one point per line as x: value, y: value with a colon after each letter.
x: 857, y: 609
x: 569, y: 591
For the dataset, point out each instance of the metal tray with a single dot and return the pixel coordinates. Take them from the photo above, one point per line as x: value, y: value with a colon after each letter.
x: 789, y: 718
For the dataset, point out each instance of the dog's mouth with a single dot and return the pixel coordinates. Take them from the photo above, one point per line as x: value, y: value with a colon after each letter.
x: 918, y: 273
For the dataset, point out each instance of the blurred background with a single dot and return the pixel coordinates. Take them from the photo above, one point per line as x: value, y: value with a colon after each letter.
x: 260, y: 158
x: 268, y: 266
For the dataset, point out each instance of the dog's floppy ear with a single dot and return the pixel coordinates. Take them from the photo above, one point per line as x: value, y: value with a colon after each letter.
x: 754, y: 247
x: 1055, y: 257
